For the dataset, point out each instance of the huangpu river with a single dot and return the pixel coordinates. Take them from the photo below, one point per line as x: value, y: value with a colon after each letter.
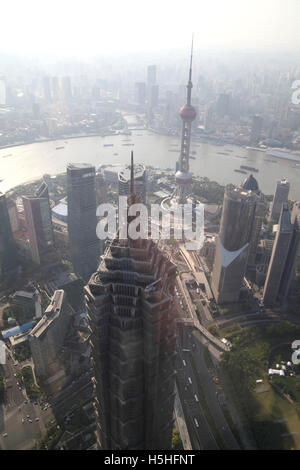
x: 26, y: 162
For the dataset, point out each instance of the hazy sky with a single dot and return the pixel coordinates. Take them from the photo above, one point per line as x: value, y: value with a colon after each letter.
x: 87, y: 27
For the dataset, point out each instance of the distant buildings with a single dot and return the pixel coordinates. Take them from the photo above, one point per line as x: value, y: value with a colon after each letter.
x: 84, y: 244
x: 47, y: 337
x: 39, y: 224
x: 281, y: 196
x: 8, y: 254
x: 281, y: 270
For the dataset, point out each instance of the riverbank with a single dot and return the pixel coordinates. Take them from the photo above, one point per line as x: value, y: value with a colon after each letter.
x: 64, y: 137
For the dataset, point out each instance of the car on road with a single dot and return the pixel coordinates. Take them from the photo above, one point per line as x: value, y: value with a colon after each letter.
x: 28, y: 416
x: 30, y: 420
x: 196, y: 422
x: 5, y: 434
x: 37, y: 419
x: 23, y: 420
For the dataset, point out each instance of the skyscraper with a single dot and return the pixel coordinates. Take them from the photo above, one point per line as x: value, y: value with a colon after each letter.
x: 187, y: 113
x: 153, y: 96
x: 281, y: 270
x: 151, y: 76
x: 47, y: 89
x: 84, y: 243
x: 55, y: 89
x: 140, y: 92
x: 66, y: 89
x: 8, y: 255
x: 39, y: 223
x: 256, y: 129
x: 281, y: 196
x: 232, y: 248
x: 130, y: 301
x: 250, y: 184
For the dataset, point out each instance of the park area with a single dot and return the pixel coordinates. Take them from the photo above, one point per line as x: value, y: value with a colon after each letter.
x: 271, y: 404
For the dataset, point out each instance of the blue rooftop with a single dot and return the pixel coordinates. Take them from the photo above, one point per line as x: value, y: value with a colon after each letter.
x: 17, y: 329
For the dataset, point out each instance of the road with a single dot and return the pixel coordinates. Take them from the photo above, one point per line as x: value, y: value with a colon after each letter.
x: 199, y: 430
x: 20, y: 436
x: 214, y: 393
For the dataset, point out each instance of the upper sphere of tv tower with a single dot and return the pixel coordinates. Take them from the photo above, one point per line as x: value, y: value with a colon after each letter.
x: 187, y: 113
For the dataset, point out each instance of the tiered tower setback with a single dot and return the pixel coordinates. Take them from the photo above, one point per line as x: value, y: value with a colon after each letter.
x: 130, y: 310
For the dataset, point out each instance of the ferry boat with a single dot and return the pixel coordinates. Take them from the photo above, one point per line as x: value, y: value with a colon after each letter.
x: 285, y: 154
x: 249, y: 168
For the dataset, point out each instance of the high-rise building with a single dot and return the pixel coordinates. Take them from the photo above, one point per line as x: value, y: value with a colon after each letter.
x: 222, y: 106
x: 84, y: 243
x: 250, y: 184
x: 130, y: 311
x: 281, y: 270
x: 8, y: 255
x: 47, y: 89
x: 153, y: 96
x: 47, y: 337
x: 66, y: 89
x: 281, y: 196
x: 140, y: 92
x: 151, y: 76
x: 140, y: 182
x: 257, y: 123
x: 232, y: 248
x: 55, y: 89
x: 39, y: 223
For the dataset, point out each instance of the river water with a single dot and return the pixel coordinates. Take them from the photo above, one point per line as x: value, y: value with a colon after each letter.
x: 26, y: 162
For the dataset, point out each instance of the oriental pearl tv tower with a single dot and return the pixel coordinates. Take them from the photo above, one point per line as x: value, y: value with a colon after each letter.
x: 187, y: 113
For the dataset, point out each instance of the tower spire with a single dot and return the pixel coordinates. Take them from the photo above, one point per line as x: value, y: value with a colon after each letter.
x: 190, y: 85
